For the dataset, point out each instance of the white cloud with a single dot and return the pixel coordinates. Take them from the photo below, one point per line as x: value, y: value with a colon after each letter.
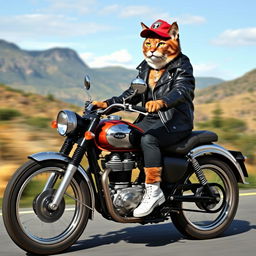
x: 40, y: 45
x: 237, y: 37
x: 135, y: 10
x: 212, y: 70
x: 110, y: 9
x: 118, y: 58
x: 204, y: 69
x: 163, y: 16
x: 143, y: 11
x: 190, y: 19
x: 33, y: 26
x: 78, y: 6
x: 147, y: 12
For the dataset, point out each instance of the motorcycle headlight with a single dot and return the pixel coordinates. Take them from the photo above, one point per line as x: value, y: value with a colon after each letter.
x: 66, y: 122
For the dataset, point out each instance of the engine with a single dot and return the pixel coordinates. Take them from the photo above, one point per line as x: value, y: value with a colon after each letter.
x: 126, y: 195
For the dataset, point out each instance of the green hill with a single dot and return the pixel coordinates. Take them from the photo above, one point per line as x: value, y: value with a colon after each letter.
x: 60, y: 72
x: 25, y: 120
x: 203, y: 82
x: 236, y: 98
x: 243, y: 84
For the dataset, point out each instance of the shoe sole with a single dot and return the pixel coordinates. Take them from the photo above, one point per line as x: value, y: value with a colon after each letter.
x: 157, y: 203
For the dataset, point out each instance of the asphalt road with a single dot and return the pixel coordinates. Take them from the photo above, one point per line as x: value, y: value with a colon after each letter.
x: 103, y: 237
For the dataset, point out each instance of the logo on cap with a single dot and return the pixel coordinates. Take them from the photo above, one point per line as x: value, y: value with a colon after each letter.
x: 156, y: 25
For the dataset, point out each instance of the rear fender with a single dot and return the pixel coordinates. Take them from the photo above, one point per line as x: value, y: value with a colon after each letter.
x: 44, y: 156
x: 225, y: 155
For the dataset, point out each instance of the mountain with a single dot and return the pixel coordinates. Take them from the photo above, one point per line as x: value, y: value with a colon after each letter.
x: 235, y: 98
x: 60, y: 72
x: 218, y: 92
x: 203, y: 82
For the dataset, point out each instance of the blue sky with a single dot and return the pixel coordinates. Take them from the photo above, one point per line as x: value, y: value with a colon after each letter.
x: 218, y: 36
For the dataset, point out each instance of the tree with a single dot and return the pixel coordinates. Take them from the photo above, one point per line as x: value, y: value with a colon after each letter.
x: 217, y: 120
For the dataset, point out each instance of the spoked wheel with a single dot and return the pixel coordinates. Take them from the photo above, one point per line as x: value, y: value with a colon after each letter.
x: 204, y: 220
x: 31, y: 224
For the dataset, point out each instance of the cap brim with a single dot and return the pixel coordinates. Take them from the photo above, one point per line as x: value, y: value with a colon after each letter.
x: 152, y: 33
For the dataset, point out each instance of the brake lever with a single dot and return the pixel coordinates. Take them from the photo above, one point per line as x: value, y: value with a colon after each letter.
x: 138, y: 110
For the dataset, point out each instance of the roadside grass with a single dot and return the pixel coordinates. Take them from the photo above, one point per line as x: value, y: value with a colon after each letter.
x: 252, y: 182
x: 7, y: 114
x: 38, y: 122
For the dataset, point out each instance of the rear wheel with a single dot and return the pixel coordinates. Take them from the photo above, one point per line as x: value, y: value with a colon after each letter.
x: 27, y: 218
x: 214, y: 218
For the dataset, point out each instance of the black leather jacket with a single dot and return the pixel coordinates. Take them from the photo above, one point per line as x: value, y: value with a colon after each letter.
x: 175, y: 87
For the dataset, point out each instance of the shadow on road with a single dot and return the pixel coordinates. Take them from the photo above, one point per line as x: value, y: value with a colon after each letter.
x: 151, y: 235
x: 238, y: 227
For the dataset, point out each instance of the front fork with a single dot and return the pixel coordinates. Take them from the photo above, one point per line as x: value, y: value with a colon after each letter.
x: 71, y: 169
x: 72, y: 166
x: 65, y: 149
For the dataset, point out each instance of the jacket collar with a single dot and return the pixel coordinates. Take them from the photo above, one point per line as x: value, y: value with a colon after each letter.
x: 143, y: 69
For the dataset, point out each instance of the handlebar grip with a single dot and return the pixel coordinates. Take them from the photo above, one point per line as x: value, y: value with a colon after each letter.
x: 139, y: 108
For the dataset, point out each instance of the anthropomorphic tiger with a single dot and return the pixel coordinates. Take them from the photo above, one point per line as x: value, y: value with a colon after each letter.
x: 169, y: 97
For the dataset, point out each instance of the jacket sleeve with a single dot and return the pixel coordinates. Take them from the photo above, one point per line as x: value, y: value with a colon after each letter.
x: 182, y: 88
x: 119, y: 99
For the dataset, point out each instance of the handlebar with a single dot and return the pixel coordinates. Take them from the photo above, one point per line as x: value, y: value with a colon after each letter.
x: 140, y: 109
x: 104, y: 111
x: 127, y: 107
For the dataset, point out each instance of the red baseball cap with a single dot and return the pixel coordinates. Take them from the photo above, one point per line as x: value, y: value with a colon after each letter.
x: 159, y: 27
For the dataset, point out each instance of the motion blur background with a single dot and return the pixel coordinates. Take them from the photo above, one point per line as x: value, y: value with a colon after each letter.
x: 47, y: 46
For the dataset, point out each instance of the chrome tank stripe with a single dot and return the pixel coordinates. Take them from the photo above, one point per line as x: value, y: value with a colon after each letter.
x: 122, y: 142
x: 43, y: 156
x: 217, y: 149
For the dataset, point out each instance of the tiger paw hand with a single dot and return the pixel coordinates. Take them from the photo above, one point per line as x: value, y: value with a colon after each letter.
x: 100, y: 104
x: 154, y: 105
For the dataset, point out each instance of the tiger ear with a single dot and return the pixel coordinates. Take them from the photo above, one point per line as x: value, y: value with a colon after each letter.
x: 174, y: 31
x: 144, y: 26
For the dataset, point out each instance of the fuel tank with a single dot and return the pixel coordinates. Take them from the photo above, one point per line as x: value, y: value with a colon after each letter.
x: 114, y: 134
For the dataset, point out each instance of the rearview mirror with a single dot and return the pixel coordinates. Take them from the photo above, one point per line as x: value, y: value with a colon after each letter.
x: 87, y: 83
x: 139, y: 85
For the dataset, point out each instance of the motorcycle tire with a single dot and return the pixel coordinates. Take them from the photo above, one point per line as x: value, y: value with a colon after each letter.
x: 211, y: 228
x: 14, y: 220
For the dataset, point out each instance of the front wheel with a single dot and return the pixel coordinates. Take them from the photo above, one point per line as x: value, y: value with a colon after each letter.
x: 28, y: 220
x: 199, y: 223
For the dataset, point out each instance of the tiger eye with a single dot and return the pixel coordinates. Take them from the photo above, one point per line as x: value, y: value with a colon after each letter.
x: 161, y: 44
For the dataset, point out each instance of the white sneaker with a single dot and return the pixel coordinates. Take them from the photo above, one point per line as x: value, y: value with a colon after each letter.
x: 153, y: 197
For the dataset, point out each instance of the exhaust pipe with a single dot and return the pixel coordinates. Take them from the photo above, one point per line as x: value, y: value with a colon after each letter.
x: 109, y: 203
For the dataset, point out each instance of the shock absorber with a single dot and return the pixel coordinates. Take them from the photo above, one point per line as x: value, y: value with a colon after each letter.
x: 198, y: 171
x: 200, y: 176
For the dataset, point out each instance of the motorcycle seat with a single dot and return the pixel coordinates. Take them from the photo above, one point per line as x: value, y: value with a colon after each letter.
x: 196, y: 138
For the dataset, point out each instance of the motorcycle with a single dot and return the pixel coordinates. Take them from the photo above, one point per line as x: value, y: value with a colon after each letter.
x: 49, y: 200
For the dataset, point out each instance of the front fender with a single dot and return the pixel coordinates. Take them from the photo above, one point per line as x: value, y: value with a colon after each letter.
x: 44, y: 156
x: 214, y: 149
